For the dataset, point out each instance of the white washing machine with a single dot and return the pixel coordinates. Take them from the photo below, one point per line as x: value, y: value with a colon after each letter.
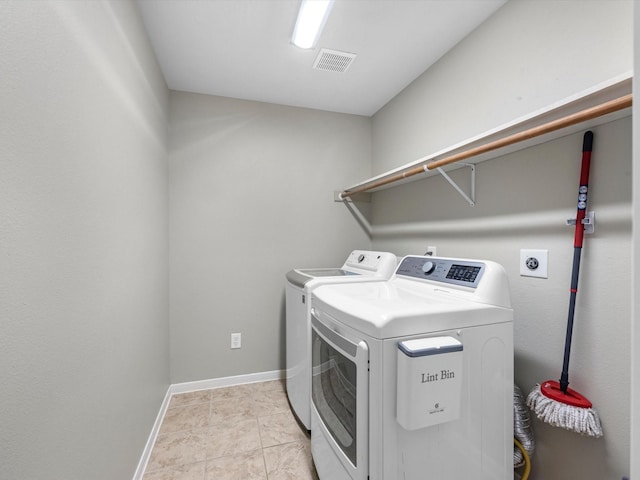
x: 412, y: 378
x: 360, y: 266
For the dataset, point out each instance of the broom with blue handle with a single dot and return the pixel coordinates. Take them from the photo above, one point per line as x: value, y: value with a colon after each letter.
x: 554, y: 402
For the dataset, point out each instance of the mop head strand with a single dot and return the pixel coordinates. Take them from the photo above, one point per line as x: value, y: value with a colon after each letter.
x: 570, y: 410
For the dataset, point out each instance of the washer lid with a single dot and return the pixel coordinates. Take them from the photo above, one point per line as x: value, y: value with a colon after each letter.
x: 360, y: 265
x: 326, y: 272
x: 301, y: 277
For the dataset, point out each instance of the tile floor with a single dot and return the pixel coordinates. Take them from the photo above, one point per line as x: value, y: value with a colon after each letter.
x: 244, y: 432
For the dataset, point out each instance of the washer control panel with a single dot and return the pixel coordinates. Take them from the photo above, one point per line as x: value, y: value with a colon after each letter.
x: 466, y: 273
x: 373, y: 261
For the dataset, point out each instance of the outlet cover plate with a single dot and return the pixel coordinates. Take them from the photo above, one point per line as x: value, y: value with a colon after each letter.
x: 534, y: 263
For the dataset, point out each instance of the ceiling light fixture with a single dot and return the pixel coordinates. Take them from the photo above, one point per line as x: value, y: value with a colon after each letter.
x: 312, y: 16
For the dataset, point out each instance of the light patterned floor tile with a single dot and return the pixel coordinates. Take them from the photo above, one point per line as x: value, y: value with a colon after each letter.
x: 194, y: 471
x: 280, y: 428
x: 269, y: 402
x: 274, y: 384
x: 233, y: 392
x: 190, y: 398
x: 179, y: 448
x: 244, y: 466
x: 291, y: 461
x: 245, y: 432
x: 186, y: 418
x: 223, y: 407
x: 234, y: 437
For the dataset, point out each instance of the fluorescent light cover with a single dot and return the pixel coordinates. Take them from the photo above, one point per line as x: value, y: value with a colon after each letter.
x: 312, y: 16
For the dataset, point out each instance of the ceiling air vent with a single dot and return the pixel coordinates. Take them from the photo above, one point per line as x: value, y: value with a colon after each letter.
x: 333, y: 60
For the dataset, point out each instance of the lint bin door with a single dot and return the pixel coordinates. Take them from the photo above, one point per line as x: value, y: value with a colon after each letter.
x: 429, y: 385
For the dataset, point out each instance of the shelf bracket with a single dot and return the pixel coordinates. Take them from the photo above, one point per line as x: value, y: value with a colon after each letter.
x: 355, y: 211
x: 589, y: 222
x: 471, y: 200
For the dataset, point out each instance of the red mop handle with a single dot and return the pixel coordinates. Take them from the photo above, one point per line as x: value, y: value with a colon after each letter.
x: 583, y: 190
x: 587, y: 145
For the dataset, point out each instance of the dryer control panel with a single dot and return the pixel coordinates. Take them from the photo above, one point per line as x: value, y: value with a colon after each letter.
x: 465, y: 273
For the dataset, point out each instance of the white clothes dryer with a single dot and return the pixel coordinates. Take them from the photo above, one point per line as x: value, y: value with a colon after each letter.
x: 413, y: 378
x: 360, y: 266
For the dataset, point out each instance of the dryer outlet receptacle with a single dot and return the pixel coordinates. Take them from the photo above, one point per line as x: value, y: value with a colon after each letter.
x: 534, y: 263
x: 236, y: 340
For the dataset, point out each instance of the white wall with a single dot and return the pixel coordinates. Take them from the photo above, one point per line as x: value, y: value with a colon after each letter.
x: 83, y: 240
x: 251, y: 198
x: 526, y: 56
x: 635, y: 248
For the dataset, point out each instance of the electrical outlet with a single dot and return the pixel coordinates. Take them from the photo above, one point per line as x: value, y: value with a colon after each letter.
x: 431, y: 251
x: 236, y: 340
x: 534, y: 263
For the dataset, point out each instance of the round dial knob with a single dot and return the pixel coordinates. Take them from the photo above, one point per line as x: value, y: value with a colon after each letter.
x: 361, y: 258
x: 428, y: 267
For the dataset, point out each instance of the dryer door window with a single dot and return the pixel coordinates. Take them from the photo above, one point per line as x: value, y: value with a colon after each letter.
x: 335, y: 394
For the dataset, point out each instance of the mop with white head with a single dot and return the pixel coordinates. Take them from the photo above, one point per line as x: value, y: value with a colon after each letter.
x: 562, y: 411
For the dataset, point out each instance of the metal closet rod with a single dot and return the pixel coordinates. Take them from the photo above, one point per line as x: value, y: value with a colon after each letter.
x: 573, y: 119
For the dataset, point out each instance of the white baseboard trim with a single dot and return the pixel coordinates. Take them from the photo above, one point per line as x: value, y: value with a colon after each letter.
x: 146, y: 453
x: 186, y: 387
x: 226, y: 381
